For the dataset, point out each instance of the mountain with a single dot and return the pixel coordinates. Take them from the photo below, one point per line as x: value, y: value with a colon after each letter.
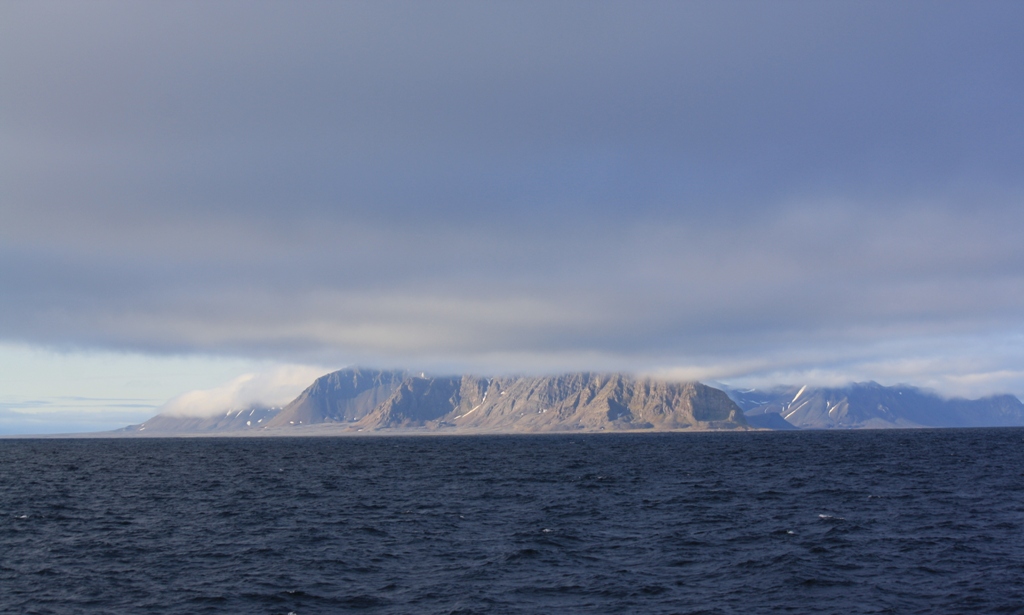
x: 340, y: 397
x: 251, y: 418
x: 366, y: 400
x: 582, y: 401
x: 871, y: 405
x: 771, y: 421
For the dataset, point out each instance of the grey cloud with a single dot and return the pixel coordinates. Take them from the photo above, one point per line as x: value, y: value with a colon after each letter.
x: 453, y: 107
x: 625, y: 290
x: 550, y: 184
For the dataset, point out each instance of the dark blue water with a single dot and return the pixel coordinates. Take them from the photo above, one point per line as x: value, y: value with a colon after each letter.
x: 823, y: 522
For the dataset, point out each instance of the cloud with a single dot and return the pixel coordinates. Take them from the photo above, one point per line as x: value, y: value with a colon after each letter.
x: 954, y: 365
x: 810, y: 272
x: 274, y: 388
x: 726, y: 192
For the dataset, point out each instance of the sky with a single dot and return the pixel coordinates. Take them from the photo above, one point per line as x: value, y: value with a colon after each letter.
x: 196, y: 195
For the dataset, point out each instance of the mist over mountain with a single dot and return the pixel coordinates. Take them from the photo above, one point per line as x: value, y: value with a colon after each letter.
x: 270, y: 388
x: 871, y: 405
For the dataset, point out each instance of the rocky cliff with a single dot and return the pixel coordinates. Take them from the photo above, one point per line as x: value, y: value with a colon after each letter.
x: 340, y: 397
x: 583, y: 401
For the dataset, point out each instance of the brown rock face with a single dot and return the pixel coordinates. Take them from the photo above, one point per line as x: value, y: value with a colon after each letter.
x: 592, y: 402
x: 371, y: 400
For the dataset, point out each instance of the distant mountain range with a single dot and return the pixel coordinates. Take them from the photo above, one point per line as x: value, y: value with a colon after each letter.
x: 873, y: 406
x: 368, y: 400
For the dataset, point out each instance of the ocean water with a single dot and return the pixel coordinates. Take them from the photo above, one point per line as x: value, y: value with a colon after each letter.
x: 926, y: 521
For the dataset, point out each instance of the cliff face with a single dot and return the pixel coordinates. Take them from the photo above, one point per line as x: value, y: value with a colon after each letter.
x: 582, y: 401
x: 340, y: 397
x: 417, y: 402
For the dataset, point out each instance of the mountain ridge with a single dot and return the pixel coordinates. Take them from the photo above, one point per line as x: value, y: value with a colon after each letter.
x: 381, y: 401
x: 872, y: 405
x: 361, y: 400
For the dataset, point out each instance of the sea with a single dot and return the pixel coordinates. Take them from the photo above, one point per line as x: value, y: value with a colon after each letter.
x: 908, y: 521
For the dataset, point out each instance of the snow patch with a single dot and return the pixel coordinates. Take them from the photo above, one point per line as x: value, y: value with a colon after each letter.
x: 795, y: 410
x: 470, y: 412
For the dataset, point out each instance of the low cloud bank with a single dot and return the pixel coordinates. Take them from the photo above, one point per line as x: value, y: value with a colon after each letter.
x: 274, y: 387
